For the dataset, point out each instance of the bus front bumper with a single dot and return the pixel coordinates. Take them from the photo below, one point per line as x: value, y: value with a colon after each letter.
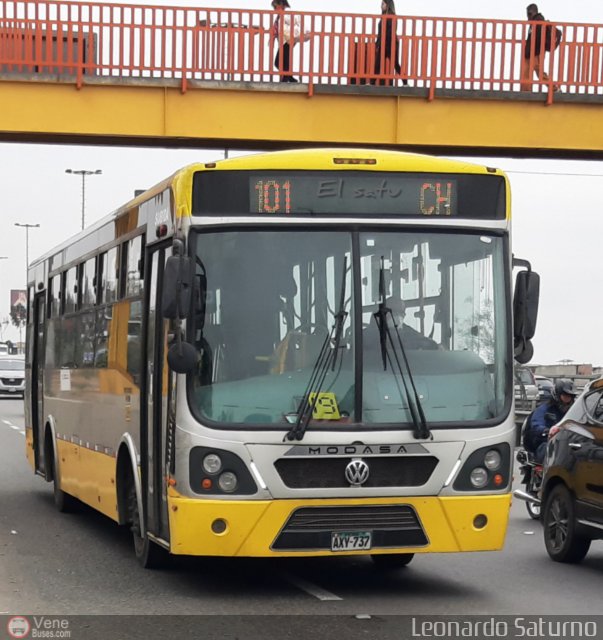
x: 280, y: 528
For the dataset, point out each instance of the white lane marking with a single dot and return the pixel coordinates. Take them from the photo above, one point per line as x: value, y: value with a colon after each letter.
x: 15, y: 427
x: 309, y: 587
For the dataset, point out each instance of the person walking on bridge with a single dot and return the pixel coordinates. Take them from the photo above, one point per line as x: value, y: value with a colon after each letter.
x: 533, y: 53
x: 387, y: 47
x: 290, y: 31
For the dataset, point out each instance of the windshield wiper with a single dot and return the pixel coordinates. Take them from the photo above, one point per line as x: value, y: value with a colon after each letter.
x: 421, y: 430
x: 326, y: 358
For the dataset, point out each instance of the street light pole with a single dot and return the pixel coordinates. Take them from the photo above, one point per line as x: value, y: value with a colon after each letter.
x: 27, y: 228
x: 84, y: 173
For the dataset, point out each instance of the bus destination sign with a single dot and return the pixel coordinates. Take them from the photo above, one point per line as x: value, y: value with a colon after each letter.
x: 353, y: 194
x: 349, y: 193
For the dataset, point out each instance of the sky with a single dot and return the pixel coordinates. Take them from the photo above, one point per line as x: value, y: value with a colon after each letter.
x: 557, y: 205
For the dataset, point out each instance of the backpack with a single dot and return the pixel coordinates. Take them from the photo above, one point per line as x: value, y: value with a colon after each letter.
x: 548, y: 36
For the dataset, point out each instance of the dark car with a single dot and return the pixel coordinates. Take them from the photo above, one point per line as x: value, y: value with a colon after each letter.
x: 573, y: 483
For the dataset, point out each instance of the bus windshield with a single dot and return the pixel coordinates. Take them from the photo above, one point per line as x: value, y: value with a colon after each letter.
x: 272, y: 299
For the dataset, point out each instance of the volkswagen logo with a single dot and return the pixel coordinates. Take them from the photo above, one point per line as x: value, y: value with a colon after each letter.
x: 357, y: 472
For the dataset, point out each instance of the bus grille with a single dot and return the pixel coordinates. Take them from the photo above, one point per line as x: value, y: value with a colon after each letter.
x: 329, y: 473
x: 391, y: 526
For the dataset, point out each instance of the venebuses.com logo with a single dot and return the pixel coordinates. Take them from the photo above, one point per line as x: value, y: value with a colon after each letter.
x: 18, y: 627
x: 38, y: 627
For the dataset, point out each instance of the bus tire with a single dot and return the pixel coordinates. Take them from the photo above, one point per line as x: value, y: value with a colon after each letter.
x: 149, y: 554
x: 391, y: 561
x: 63, y: 502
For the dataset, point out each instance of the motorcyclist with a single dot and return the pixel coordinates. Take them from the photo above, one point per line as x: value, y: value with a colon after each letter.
x: 548, y: 414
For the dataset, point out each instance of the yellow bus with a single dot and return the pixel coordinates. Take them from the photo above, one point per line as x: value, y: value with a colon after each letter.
x: 298, y: 353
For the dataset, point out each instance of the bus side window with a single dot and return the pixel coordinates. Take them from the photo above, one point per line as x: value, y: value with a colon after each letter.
x: 101, y: 355
x: 134, y: 267
x: 107, y: 277
x: 70, y: 290
x: 69, y: 337
x: 54, y: 323
x: 86, y: 337
x: 54, y: 297
x: 133, y: 364
x: 87, y: 289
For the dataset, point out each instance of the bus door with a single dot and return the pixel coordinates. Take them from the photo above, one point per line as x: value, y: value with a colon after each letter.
x: 37, y: 378
x: 155, y: 402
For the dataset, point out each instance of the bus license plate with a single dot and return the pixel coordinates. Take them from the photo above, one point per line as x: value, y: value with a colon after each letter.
x: 350, y: 540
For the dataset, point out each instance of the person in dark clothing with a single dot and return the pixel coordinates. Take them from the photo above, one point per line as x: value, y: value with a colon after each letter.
x: 533, y: 52
x: 387, y: 48
x: 546, y: 415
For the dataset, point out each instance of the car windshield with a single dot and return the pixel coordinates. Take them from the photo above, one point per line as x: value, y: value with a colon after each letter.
x: 12, y: 365
x: 271, y: 302
x: 523, y: 376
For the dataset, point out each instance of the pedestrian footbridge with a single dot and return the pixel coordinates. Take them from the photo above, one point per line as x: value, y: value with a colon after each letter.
x: 96, y: 72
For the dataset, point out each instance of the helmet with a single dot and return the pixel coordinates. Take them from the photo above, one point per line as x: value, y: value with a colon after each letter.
x: 565, y: 386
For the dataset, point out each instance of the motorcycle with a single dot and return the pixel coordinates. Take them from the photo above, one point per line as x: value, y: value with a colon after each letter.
x: 532, y: 478
x: 532, y: 474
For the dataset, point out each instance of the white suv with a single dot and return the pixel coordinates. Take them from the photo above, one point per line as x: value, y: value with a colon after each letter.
x: 12, y: 376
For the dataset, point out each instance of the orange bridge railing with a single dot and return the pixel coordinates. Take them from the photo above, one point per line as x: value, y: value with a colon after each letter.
x: 91, y: 40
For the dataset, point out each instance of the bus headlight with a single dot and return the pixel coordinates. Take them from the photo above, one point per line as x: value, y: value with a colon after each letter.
x: 218, y: 472
x: 212, y: 463
x: 486, y: 469
x: 492, y: 460
x: 479, y: 477
x: 228, y: 482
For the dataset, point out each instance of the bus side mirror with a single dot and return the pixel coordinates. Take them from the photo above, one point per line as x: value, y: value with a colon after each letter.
x: 525, y: 314
x: 177, y: 284
x: 182, y: 357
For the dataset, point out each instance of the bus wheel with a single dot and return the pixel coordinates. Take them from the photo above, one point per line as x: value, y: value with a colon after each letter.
x: 391, y: 561
x: 64, y: 502
x: 149, y: 554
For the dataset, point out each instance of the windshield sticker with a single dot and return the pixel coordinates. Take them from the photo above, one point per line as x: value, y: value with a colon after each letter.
x: 324, y: 406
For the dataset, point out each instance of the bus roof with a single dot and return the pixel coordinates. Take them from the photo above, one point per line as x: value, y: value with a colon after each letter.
x: 314, y: 158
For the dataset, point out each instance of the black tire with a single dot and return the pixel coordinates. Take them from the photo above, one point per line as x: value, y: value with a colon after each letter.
x: 148, y: 554
x: 562, y: 542
x: 64, y: 502
x: 391, y: 561
x: 534, y: 510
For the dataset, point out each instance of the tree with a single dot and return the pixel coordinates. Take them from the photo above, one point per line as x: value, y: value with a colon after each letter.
x: 18, y: 315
